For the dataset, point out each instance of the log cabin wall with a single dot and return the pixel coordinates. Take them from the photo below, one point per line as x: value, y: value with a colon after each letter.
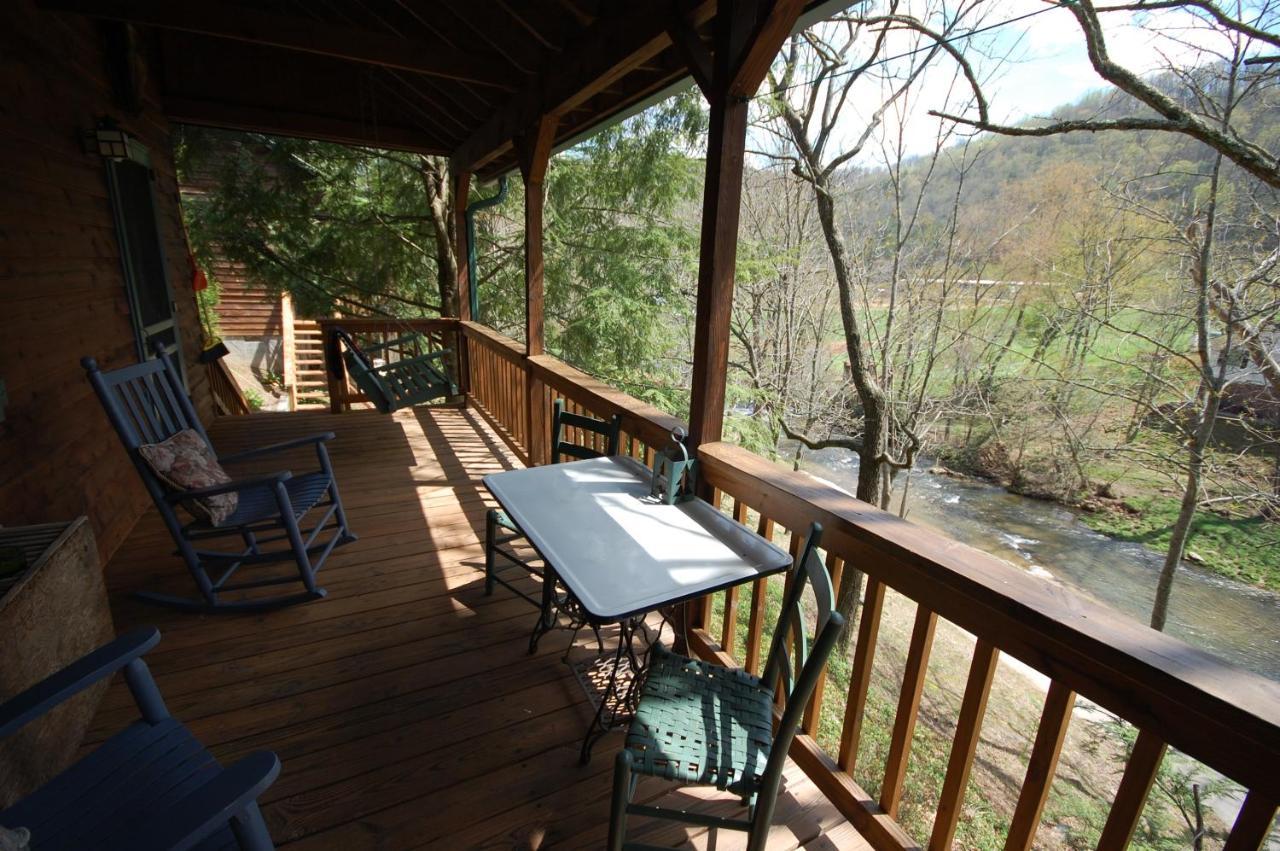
x: 245, y: 311
x: 62, y: 288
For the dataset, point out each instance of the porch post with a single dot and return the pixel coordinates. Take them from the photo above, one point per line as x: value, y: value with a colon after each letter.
x: 747, y: 35
x: 533, y: 149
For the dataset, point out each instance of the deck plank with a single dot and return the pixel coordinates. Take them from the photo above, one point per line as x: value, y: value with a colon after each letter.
x: 404, y: 707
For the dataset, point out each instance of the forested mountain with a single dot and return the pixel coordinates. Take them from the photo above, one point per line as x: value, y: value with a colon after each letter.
x: 1012, y: 181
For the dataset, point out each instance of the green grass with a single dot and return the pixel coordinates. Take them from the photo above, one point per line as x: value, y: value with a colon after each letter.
x: 1243, y: 548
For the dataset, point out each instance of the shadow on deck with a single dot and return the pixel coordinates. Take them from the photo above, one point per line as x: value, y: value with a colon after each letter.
x: 404, y: 707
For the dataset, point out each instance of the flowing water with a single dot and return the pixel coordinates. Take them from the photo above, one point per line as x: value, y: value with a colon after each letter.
x: 1235, y: 621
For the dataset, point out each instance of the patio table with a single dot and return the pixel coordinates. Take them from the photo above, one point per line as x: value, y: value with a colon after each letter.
x: 622, y: 555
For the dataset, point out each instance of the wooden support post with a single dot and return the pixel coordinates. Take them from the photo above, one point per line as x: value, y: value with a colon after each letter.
x: 534, y: 151
x: 746, y: 37
x: 335, y: 370
x: 288, y: 350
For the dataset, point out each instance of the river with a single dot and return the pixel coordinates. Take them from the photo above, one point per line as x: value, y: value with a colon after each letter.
x: 1238, y: 622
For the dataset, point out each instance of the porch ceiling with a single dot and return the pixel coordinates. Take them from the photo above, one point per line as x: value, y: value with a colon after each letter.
x: 457, y: 77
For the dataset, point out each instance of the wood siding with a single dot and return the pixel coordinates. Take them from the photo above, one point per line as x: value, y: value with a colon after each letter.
x: 245, y: 310
x: 62, y: 291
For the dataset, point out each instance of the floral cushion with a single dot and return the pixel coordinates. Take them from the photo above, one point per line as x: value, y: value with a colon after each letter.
x: 185, y: 461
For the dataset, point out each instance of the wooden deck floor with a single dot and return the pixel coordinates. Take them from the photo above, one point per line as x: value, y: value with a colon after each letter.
x: 404, y: 707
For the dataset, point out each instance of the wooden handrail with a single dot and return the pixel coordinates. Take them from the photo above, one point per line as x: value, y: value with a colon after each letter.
x: 1223, y: 716
x: 1177, y: 696
x: 638, y: 418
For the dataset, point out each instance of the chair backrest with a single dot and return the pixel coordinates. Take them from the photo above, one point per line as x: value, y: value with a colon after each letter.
x: 146, y: 403
x: 610, y: 429
x: 360, y: 367
x: 793, y: 663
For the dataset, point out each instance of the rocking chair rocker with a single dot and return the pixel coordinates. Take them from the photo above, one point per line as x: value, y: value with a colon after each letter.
x: 398, y: 384
x: 147, y: 404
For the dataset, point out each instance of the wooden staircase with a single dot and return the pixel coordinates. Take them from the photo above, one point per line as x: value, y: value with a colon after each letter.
x: 310, y: 387
x: 302, y: 343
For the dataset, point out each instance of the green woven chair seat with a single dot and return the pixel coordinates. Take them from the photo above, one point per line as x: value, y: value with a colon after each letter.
x: 506, y: 522
x: 702, y: 723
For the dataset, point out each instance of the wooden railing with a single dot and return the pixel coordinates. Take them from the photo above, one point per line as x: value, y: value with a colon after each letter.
x: 228, y: 398
x: 1176, y: 696
x: 441, y: 334
x: 502, y: 380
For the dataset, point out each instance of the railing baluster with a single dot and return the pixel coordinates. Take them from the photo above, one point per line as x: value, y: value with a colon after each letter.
x: 729, y: 630
x: 759, y: 595
x: 1131, y: 796
x: 1252, y: 824
x: 965, y: 745
x: 904, y: 722
x: 860, y: 678
x: 1050, y: 735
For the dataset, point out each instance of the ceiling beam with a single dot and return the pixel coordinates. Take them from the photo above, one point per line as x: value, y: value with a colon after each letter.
x: 593, y: 60
x: 763, y: 46
x: 239, y: 23
x: 229, y: 116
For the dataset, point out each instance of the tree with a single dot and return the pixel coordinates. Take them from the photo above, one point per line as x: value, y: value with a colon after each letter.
x: 619, y: 252
x: 897, y: 285
x: 1247, y: 28
x: 341, y: 228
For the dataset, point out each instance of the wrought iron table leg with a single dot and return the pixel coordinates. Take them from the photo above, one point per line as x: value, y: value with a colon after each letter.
x: 547, y: 615
x: 598, y: 727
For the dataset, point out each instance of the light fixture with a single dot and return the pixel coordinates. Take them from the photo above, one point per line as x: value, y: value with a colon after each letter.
x: 108, y: 141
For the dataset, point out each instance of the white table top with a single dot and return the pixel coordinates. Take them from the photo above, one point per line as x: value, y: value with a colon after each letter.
x: 618, y: 551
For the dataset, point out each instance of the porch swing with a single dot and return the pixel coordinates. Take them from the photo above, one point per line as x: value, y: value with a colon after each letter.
x: 409, y: 379
x: 401, y: 383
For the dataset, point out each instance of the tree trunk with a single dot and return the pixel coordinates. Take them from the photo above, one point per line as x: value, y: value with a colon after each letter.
x: 1177, y: 545
x: 872, y: 397
x: 874, y: 404
x: 438, y: 186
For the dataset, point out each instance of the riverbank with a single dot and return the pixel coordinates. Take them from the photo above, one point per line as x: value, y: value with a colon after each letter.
x: 1141, y: 511
x: 1246, y: 549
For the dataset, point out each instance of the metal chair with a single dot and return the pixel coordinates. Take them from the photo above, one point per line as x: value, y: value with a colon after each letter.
x: 501, y: 531
x: 151, y: 787
x: 704, y: 724
x: 398, y: 384
x: 147, y: 403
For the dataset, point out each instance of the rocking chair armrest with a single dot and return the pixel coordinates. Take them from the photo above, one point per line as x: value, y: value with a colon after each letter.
x: 75, y: 678
x: 233, y: 486
x: 320, y: 437
x: 194, y: 818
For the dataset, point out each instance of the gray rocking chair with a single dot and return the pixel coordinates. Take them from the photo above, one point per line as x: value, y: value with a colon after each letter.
x: 704, y: 724
x: 147, y: 403
x: 150, y: 787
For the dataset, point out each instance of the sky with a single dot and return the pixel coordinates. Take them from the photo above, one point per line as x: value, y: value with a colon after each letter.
x: 1029, y: 66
